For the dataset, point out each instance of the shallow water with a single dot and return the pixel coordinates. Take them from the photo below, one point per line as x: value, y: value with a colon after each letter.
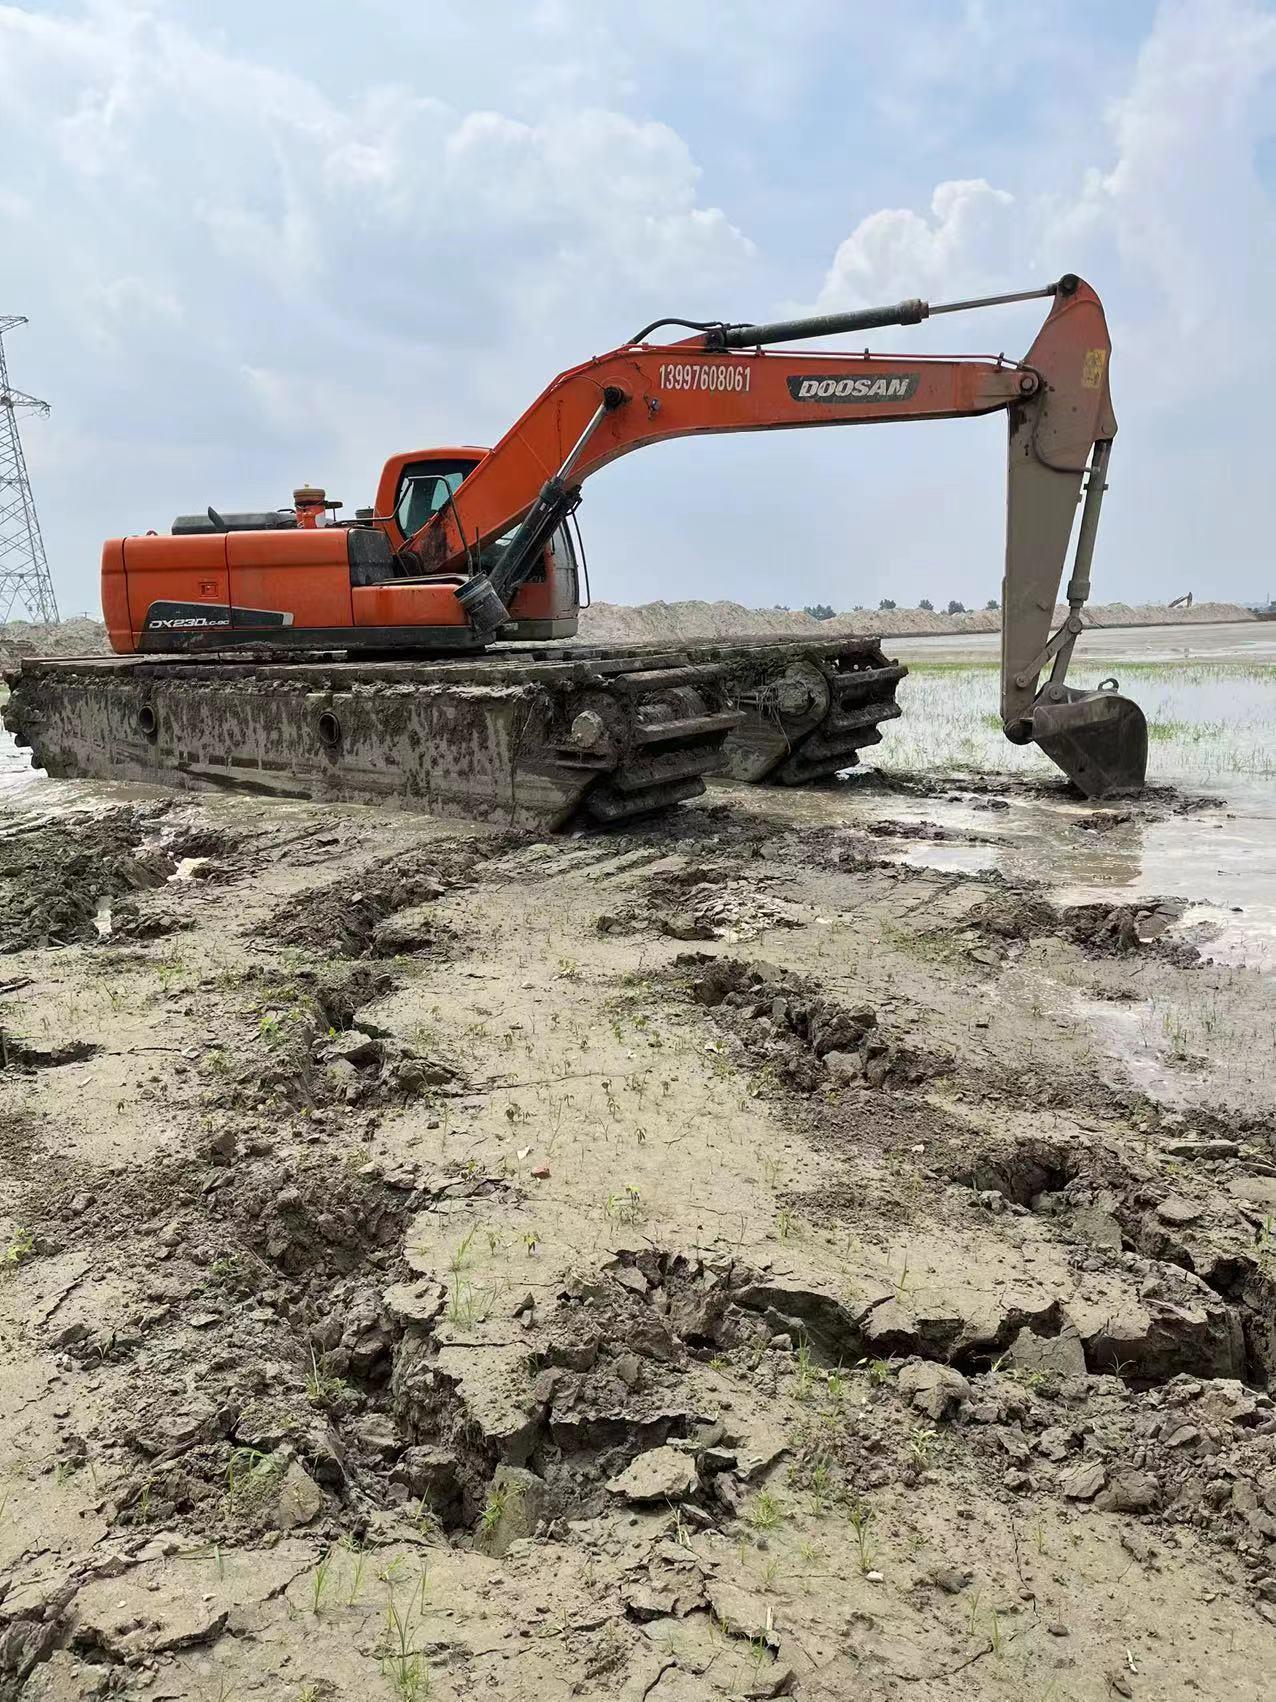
x: 1206, y: 720
x: 1222, y: 857
x: 1213, y: 721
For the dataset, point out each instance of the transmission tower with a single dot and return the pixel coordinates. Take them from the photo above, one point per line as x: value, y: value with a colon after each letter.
x: 25, y: 584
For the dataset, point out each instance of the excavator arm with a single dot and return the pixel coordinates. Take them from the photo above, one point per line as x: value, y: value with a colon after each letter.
x: 727, y: 378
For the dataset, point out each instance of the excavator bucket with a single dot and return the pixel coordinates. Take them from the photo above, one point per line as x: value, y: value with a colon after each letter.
x: 1098, y: 738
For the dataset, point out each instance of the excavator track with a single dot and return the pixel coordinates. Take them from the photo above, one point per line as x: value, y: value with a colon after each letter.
x: 544, y: 737
x: 809, y: 708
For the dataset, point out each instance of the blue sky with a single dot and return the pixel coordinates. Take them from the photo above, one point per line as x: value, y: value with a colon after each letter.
x: 265, y: 244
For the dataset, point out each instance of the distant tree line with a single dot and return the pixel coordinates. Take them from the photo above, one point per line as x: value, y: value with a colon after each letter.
x: 826, y: 611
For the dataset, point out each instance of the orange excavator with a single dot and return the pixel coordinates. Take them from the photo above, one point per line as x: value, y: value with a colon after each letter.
x: 404, y: 654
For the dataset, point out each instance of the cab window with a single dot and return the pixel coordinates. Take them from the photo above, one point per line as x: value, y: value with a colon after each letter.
x: 424, y: 488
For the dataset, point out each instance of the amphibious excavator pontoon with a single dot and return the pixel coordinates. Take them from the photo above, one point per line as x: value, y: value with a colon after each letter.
x: 416, y: 653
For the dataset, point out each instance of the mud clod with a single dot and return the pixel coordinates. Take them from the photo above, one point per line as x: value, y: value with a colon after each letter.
x: 55, y: 879
x: 808, y: 1039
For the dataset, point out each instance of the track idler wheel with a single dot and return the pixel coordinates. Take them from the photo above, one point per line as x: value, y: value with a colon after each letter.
x: 777, y: 717
x: 1098, y: 738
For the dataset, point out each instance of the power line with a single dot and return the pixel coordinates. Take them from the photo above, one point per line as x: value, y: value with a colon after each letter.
x: 25, y: 584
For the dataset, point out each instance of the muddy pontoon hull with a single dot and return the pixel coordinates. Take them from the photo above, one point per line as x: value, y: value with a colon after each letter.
x: 536, y: 737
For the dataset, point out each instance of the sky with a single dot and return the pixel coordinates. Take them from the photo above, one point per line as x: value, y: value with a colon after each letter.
x: 262, y: 245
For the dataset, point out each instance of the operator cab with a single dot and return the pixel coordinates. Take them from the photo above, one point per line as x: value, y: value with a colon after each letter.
x: 424, y: 488
x: 426, y: 485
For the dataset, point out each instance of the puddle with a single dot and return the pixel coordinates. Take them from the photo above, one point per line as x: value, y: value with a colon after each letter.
x: 27, y: 794
x: 1124, y: 1032
x: 188, y: 869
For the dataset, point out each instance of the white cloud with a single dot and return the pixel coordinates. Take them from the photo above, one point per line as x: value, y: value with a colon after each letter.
x: 266, y: 272
x: 896, y: 252
x: 1172, y: 224
x: 1182, y: 205
x: 1170, y: 218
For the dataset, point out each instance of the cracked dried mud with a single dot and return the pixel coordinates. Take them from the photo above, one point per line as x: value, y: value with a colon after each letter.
x: 719, y: 1259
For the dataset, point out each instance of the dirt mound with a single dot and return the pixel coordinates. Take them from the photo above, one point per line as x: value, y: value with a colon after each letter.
x: 81, y: 635
x: 661, y: 622
x: 302, y: 1045
x: 1103, y: 929
x: 620, y: 623
x: 807, y: 1039
x: 386, y: 912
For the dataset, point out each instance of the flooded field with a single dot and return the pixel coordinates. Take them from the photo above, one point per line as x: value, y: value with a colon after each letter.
x: 1205, y: 719
x: 1209, y: 694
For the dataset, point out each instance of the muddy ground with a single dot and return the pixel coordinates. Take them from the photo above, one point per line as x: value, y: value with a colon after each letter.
x: 713, y: 1260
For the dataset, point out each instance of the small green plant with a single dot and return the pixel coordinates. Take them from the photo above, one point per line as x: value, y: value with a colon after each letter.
x: 994, y: 1632
x: 1029, y: 1377
x: 972, y: 1612
x: 250, y: 1476
x: 765, y: 1511
x: 759, y: 1653
x: 498, y: 1499
x: 319, y: 1583
x: 322, y: 1388
x: 921, y: 1445
x: 469, y: 1305
x: 425, y: 1519
x: 784, y: 1221
x: 861, y: 1516
x: 401, y: 1664
x: 21, y: 1246
x: 356, y: 1580
x: 626, y: 1206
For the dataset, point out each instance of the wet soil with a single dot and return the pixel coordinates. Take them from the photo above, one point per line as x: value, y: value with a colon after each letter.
x: 716, y: 1259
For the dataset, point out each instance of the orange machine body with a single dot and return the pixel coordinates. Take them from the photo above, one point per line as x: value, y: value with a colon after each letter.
x: 298, y: 588
x: 445, y: 516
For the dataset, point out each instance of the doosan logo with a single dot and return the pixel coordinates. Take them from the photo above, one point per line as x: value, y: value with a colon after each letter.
x: 864, y: 389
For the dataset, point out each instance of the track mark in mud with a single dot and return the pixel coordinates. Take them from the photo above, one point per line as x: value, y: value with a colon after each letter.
x: 54, y: 878
x: 383, y: 909
x: 255, y: 1359
x: 1135, y: 1323
x: 17, y: 1054
x: 85, y: 877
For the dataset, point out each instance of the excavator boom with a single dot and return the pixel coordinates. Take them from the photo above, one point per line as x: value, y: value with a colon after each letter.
x: 725, y: 379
